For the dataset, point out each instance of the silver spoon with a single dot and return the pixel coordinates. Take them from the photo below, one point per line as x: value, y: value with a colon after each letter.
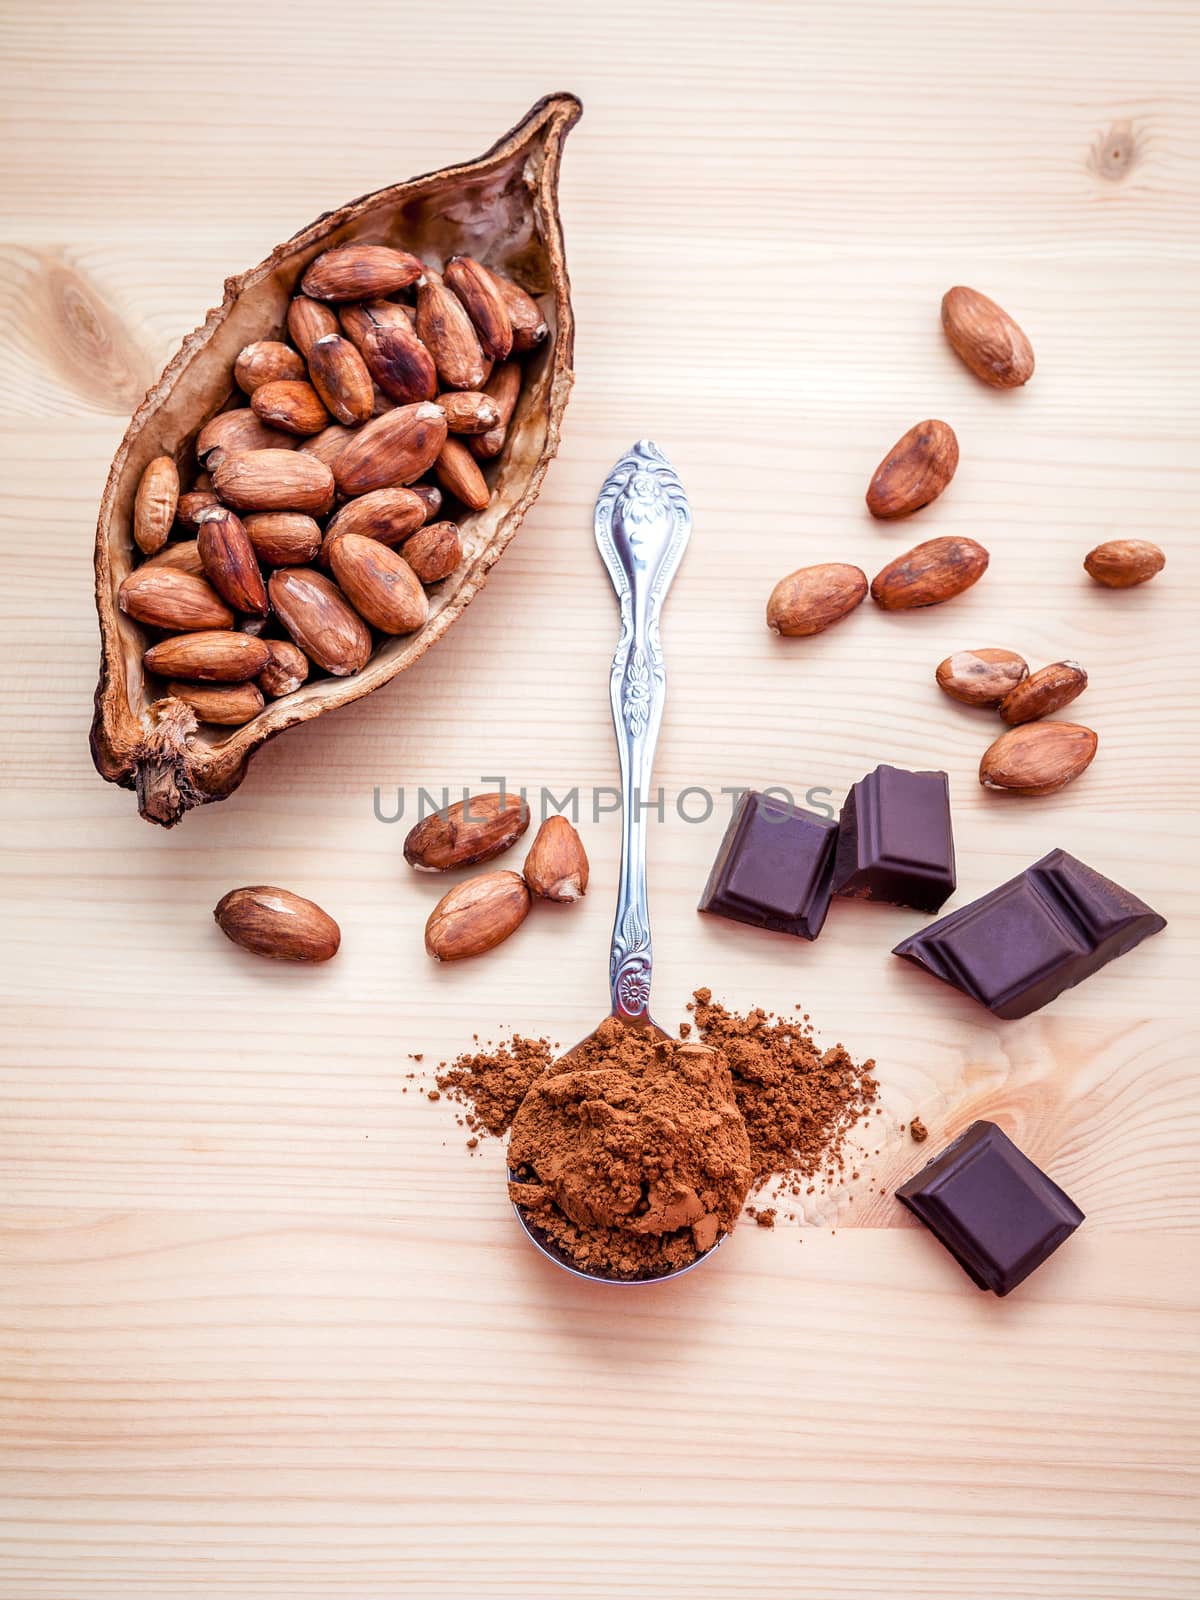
x: 643, y: 523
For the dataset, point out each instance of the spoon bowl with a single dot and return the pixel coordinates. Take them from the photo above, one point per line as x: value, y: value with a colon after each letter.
x: 643, y: 523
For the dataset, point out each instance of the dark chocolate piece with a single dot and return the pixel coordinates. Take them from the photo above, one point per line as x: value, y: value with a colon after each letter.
x: 774, y: 868
x: 996, y: 1212
x: 895, y: 841
x: 1017, y: 948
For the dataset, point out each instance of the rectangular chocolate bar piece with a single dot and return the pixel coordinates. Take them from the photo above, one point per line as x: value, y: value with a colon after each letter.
x: 895, y: 840
x: 774, y: 868
x: 994, y: 1209
x: 1017, y: 948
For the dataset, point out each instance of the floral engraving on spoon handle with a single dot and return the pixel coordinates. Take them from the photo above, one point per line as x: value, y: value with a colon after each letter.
x: 643, y: 523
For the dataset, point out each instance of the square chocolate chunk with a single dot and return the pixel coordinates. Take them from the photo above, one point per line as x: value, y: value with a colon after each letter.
x: 774, y: 868
x: 1018, y: 947
x: 997, y: 1212
x: 895, y: 841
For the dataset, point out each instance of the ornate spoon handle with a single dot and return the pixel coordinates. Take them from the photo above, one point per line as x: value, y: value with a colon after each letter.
x: 643, y: 522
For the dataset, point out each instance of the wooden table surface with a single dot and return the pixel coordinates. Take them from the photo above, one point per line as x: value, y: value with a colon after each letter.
x: 267, y: 1329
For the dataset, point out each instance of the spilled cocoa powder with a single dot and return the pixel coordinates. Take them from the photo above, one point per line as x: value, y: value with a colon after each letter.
x: 798, y: 1103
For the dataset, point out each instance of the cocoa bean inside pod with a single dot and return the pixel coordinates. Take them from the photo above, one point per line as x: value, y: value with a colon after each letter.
x: 529, y: 326
x: 171, y: 598
x: 266, y: 361
x: 320, y: 620
x: 226, y: 705
x: 458, y: 473
x: 392, y: 450
x: 214, y: 656
x: 230, y: 561
x: 380, y: 584
x: 283, y: 538
x: 274, y: 480
x: 155, y: 505
x: 448, y: 333
x: 434, y: 551
x: 278, y: 924
x: 398, y: 362
x: 290, y: 404
x: 286, y: 670
x: 503, y: 387
x: 309, y: 321
x: 501, y: 209
x: 481, y: 295
x: 341, y: 379
x: 388, y: 515
x: 360, y: 272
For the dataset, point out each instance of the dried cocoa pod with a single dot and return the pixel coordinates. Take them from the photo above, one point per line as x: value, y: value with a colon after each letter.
x: 448, y: 333
x: 266, y: 361
x: 155, y: 504
x: 230, y: 562
x: 392, y: 450
x: 528, y: 325
x: 320, y: 620
x: 286, y: 670
x: 504, y: 387
x: 340, y: 377
x: 275, y: 480
x: 231, y: 432
x: 229, y: 705
x: 167, y: 597
x: 360, y: 272
x: 458, y: 473
x: 295, y: 407
x: 503, y: 209
x: 309, y: 321
x: 469, y: 410
x: 467, y: 833
x: 380, y: 584
x: 479, y: 292
x: 283, y: 538
x: 214, y: 656
x: 1047, y: 690
x: 915, y: 470
x: 434, y: 551
x: 278, y: 924
x: 388, y: 515
x: 190, y: 506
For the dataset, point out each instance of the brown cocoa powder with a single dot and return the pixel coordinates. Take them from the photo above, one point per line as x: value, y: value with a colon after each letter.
x: 799, y: 1104
x: 631, y: 1153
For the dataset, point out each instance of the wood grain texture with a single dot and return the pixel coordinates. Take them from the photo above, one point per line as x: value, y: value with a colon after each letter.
x: 268, y: 1329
